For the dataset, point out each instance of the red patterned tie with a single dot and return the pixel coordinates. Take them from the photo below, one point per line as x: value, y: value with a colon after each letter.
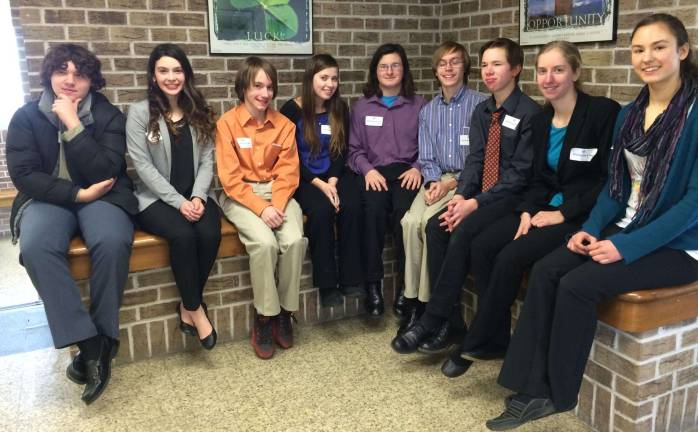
x: 490, y: 172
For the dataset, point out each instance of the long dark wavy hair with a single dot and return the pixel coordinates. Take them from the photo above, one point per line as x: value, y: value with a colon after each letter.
x: 336, y: 108
x: 190, y: 100
x: 372, y: 87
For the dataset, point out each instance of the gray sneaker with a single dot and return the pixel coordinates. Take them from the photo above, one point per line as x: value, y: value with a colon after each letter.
x: 518, y: 413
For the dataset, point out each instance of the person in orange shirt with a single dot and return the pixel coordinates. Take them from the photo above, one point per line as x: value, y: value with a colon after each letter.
x: 259, y: 170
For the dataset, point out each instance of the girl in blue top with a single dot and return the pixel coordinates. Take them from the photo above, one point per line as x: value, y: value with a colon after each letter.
x: 641, y: 234
x: 325, y: 193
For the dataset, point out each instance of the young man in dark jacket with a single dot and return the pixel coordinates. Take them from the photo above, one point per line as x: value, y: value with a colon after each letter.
x: 65, y: 155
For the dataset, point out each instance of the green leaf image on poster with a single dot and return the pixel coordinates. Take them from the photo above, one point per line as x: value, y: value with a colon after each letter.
x: 260, y: 26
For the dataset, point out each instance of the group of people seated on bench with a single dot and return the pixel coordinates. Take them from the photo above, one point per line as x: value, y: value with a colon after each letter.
x: 591, y: 199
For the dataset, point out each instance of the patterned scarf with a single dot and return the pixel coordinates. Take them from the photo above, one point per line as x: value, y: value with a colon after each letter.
x: 657, y: 144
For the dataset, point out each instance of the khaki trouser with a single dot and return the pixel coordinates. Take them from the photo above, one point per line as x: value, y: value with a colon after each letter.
x: 413, y: 225
x: 272, y: 251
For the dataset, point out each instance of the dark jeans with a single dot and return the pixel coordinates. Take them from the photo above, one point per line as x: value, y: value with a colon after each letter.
x: 549, y: 348
x: 448, y: 254
x: 320, y: 230
x: 193, y: 245
x: 46, y: 230
x: 377, y: 207
x: 498, y: 265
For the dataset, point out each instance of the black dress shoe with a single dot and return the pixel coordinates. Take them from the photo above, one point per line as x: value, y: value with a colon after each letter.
x: 209, y: 341
x: 185, y: 328
x: 409, y: 340
x: 98, y: 372
x: 77, y: 370
x: 414, y: 312
x: 518, y: 413
x: 374, y: 299
x: 442, y: 340
x: 482, y: 355
x: 399, y: 300
x: 455, y: 366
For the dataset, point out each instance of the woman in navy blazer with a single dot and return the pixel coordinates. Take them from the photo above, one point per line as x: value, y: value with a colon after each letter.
x: 571, y: 139
x: 641, y: 234
x: 170, y: 140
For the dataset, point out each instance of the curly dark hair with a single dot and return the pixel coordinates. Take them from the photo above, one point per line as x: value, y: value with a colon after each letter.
x: 191, y: 101
x: 372, y: 87
x: 84, y: 60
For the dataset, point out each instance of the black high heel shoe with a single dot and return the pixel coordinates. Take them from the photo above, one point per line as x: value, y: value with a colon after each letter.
x: 209, y: 341
x: 185, y: 328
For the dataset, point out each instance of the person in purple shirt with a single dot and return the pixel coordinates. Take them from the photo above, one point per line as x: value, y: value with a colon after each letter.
x: 383, y: 152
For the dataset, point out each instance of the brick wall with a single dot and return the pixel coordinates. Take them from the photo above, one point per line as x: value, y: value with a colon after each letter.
x: 606, y: 65
x: 123, y: 32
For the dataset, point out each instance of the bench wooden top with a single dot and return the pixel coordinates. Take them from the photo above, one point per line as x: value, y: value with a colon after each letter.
x: 150, y: 251
x: 6, y: 197
x: 635, y: 312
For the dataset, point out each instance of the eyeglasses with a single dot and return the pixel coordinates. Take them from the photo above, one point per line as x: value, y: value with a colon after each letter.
x: 453, y: 63
x: 394, y: 66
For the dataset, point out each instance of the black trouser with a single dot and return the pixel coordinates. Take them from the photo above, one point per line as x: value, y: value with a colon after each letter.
x: 553, y: 336
x: 193, y: 246
x: 448, y: 254
x: 320, y: 230
x: 377, y: 207
x: 498, y: 265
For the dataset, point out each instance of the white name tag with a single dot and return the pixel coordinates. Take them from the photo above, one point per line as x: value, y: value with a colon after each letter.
x: 244, y: 142
x: 465, y: 140
x: 510, y: 122
x: 374, y: 121
x: 582, y: 154
x: 325, y: 129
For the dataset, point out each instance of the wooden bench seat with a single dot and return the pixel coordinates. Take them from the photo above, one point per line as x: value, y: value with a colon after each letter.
x: 6, y: 197
x: 640, y: 311
x: 150, y: 251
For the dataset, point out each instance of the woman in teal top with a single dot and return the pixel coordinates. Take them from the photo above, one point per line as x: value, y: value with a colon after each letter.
x: 641, y: 234
x: 571, y: 138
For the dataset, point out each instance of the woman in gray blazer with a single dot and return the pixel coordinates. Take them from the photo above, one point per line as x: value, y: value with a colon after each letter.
x: 170, y: 140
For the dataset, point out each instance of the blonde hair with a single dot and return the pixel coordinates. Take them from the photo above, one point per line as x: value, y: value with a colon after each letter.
x: 569, y: 51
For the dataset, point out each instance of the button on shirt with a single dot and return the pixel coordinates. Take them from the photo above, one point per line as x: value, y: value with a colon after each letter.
x: 248, y: 152
x: 444, y: 130
x: 515, y: 150
x: 394, y: 141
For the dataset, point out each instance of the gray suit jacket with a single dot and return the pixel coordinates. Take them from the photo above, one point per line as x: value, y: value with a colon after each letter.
x: 153, y: 161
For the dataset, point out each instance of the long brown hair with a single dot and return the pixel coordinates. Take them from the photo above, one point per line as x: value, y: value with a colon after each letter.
x: 336, y: 108
x: 191, y: 101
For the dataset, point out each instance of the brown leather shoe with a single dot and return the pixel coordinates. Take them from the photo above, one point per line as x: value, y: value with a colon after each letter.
x: 261, y: 339
x: 282, y: 329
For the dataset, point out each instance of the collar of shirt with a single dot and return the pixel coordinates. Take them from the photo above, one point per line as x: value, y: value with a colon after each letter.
x: 401, y: 100
x: 460, y: 94
x: 245, y: 117
x: 509, y: 105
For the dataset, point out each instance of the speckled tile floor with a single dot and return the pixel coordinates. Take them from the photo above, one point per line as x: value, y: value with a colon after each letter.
x: 340, y: 376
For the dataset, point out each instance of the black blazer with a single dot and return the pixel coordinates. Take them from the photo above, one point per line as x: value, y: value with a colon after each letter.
x: 95, y: 154
x: 591, y: 127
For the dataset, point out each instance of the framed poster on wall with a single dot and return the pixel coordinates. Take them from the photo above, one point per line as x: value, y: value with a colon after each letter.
x: 260, y: 26
x: 542, y: 21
